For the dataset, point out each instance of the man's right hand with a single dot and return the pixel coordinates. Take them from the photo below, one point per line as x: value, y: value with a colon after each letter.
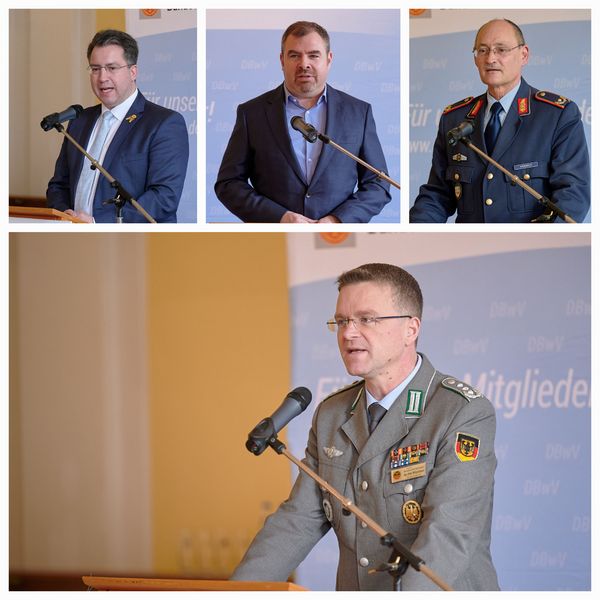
x: 292, y: 217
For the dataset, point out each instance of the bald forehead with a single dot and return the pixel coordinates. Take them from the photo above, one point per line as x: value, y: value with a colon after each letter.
x: 495, y: 31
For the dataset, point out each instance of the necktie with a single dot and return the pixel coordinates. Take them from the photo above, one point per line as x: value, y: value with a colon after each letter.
x: 376, y: 413
x: 83, y: 200
x: 493, y: 127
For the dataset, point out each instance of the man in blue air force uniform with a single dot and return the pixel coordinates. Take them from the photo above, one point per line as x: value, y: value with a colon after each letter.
x: 537, y: 135
x: 411, y: 447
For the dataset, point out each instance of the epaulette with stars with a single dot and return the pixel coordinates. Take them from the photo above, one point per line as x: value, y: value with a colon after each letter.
x: 344, y: 389
x: 552, y: 98
x: 458, y: 104
x: 465, y: 390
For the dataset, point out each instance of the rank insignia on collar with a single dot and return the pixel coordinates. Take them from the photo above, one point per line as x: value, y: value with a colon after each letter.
x: 467, y: 447
x: 475, y: 109
x: 523, y: 106
x: 131, y: 118
x: 414, y: 403
x: 332, y: 452
x: 459, y: 157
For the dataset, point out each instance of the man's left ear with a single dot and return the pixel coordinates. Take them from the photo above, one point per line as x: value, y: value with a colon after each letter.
x: 413, y: 329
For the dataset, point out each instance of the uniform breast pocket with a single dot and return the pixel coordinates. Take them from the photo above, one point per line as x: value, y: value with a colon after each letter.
x: 460, y: 181
x: 404, y: 505
x: 535, y: 174
x: 337, y: 476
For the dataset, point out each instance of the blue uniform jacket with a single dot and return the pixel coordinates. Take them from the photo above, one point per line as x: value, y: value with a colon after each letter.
x: 542, y: 141
x: 260, y: 178
x: 148, y: 156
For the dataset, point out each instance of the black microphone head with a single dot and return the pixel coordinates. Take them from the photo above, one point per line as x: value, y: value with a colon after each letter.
x: 308, y: 131
x: 302, y: 395
x: 78, y: 110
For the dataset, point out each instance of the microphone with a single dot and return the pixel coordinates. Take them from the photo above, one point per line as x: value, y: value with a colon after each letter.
x: 266, y: 431
x: 49, y: 121
x: 462, y: 130
x: 308, y: 131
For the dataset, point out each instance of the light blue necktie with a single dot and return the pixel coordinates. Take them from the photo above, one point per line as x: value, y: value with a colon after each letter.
x: 83, y: 200
x: 493, y: 127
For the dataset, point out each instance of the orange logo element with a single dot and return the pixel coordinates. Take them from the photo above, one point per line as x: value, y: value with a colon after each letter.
x: 334, y: 237
x: 416, y: 12
x: 149, y: 12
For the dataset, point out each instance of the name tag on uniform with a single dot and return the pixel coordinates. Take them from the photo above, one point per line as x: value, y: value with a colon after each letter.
x: 410, y: 472
x: 522, y: 166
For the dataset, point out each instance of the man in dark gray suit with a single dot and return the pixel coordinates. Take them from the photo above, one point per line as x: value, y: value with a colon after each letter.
x: 425, y: 473
x: 271, y: 174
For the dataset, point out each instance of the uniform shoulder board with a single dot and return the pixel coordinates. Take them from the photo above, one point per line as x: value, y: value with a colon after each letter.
x: 343, y: 389
x: 552, y: 98
x: 458, y: 104
x: 465, y: 390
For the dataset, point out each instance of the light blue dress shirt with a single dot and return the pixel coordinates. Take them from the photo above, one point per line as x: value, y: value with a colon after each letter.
x: 307, y: 153
x: 390, y: 398
x: 506, y: 101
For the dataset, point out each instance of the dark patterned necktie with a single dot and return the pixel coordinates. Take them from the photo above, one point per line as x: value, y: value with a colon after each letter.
x: 493, y: 127
x: 376, y: 413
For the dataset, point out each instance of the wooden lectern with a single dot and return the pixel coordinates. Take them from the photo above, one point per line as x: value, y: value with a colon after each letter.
x: 31, y: 215
x: 136, y: 584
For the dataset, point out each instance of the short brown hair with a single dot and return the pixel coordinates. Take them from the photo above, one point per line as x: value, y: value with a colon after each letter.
x: 302, y: 28
x: 407, y: 293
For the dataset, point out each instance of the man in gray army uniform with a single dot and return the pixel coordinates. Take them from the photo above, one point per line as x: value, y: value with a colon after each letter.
x: 425, y: 473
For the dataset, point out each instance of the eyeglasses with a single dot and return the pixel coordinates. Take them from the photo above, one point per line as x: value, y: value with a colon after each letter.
x: 499, y: 51
x: 361, y: 322
x: 110, y: 69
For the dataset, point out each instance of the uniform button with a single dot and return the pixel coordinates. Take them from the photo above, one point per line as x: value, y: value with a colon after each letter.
x: 490, y: 176
x: 489, y: 201
x: 527, y: 177
x: 456, y: 176
x: 307, y: 196
x: 365, y: 486
x: 364, y: 562
x: 408, y: 488
x: 363, y: 524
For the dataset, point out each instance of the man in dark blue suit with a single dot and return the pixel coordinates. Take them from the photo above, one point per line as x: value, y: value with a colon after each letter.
x: 536, y: 135
x: 142, y: 145
x: 270, y: 173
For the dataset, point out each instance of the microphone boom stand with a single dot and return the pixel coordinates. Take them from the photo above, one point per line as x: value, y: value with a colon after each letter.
x: 122, y: 195
x: 327, y: 140
x: 515, y: 179
x: 401, y: 556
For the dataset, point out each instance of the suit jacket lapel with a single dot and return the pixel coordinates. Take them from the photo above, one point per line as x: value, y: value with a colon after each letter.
x: 134, y: 114
x: 333, y: 109
x: 357, y: 427
x: 276, y: 118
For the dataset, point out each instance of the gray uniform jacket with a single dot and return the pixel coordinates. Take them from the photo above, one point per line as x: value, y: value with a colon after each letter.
x: 453, y: 487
